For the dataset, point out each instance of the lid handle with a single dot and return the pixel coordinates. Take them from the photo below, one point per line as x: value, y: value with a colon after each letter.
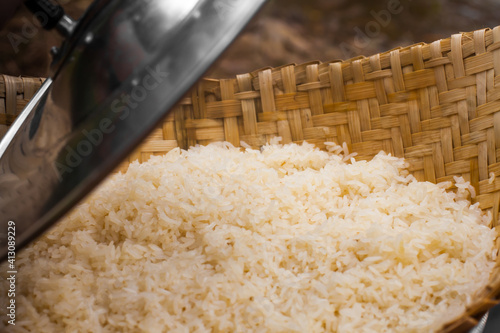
x: 46, y: 12
x: 51, y: 16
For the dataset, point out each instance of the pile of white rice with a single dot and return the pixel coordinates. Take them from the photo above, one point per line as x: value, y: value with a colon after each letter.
x: 287, y: 239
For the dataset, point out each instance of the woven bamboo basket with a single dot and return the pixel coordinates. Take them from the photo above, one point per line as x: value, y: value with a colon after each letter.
x: 437, y: 105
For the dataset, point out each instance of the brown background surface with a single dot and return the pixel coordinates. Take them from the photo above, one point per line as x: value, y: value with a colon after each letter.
x: 290, y: 31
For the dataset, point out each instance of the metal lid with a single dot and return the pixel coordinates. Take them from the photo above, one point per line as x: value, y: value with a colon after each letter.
x: 124, y: 66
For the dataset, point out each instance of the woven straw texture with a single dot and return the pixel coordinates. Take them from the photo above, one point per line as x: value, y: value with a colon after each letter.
x: 15, y: 93
x: 437, y: 105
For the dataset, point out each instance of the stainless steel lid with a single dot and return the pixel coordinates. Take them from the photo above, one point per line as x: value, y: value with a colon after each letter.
x: 123, y: 66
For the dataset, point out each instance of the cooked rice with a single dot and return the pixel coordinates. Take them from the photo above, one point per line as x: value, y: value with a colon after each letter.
x: 286, y: 239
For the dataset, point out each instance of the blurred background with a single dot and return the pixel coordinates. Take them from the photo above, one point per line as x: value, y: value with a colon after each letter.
x: 287, y: 31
